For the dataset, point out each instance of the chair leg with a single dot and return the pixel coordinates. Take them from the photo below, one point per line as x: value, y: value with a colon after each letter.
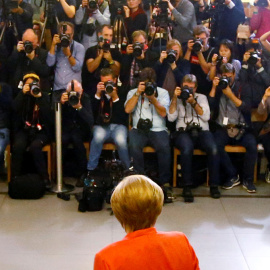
x: 8, y: 161
x: 174, y: 167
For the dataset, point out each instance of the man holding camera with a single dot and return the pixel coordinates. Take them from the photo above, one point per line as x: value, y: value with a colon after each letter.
x: 28, y: 56
x: 231, y: 103
x: 103, y: 55
x: 191, y: 112
x: 67, y: 55
x: 77, y: 118
x: 32, y: 126
x: 148, y: 105
x: 91, y: 15
x: 110, y: 121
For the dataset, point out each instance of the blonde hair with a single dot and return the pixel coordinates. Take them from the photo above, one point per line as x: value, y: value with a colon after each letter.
x: 172, y: 43
x: 137, y: 202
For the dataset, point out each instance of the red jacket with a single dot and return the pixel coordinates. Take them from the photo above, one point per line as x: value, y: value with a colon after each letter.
x: 148, y: 250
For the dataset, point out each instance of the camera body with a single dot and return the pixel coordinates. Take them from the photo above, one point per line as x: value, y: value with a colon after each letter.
x: 224, y: 81
x: 144, y: 125
x: 150, y: 88
x: 28, y: 46
x: 161, y: 18
x: 92, y: 4
x: 118, y: 4
x: 171, y: 56
x: 34, y: 88
x: 253, y: 59
x: 137, y: 49
x: 198, y: 44
x: 109, y: 85
x: 193, y: 129
x: 65, y: 40
x: 219, y: 60
x: 185, y: 93
x: 106, y: 45
x: 73, y: 98
x: 89, y: 28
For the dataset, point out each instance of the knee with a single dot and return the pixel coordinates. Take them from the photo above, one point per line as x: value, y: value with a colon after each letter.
x: 99, y: 135
x: 121, y: 140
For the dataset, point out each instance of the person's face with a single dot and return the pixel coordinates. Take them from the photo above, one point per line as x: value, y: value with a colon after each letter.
x: 225, y: 51
x: 140, y: 39
x: 107, y: 78
x: 204, y: 38
x: 178, y: 51
x: 107, y: 33
x: 190, y: 85
x: 133, y: 4
x: 30, y: 36
x: 231, y: 76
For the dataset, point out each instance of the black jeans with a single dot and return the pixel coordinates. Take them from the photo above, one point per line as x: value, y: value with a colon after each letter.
x: 158, y: 140
x: 205, y: 141
x: 249, y: 142
x: 22, y: 140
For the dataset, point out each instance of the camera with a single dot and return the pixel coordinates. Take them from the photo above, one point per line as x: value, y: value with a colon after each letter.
x: 253, y: 59
x: 171, y: 56
x: 193, y: 129
x: 224, y: 81
x: 92, y: 4
x: 137, y: 49
x: 89, y: 28
x: 106, y: 45
x: 118, y: 4
x: 261, y: 3
x: 64, y: 38
x: 109, y: 85
x: 150, y: 88
x: 34, y: 88
x: 144, y: 124
x: 73, y: 98
x: 28, y: 46
x: 161, y: 18
x: 185, y: 93
x: 10, y: 4
x: 219, y: 60
x: 197, y: 45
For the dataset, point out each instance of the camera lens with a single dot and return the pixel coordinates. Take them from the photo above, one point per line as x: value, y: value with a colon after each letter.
x: 137, y: 49
x: 73, y: 98
x: 171, y: 56
x: 106, y: 45
x: 28, y: 47
x: 34, y: 88
x: 64, y: 40
x: 109, y: 85
x: 223, y: 82
x: 253, y: 59
x: 185, y: 93
x: 92, y: 4
x: 197, y: 45
x: 149, y: 89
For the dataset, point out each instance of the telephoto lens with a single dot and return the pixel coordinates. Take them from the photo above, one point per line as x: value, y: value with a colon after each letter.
x: 106, y: 45
x: 109, y: 85
x: 197, y: 45
x: 149, y: 88
x: 171, y: 56
x: 223, y: 82
x: 185, y: 93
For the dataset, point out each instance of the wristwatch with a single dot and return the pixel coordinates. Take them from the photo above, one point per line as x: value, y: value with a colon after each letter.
x: 112, y: 62
x: 137, y: 94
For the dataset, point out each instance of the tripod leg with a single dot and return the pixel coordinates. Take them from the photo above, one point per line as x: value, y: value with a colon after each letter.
x: 3, y: 32
x: 43, y: 30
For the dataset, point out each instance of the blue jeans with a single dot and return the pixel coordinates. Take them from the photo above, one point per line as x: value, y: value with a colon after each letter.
x: 158, y: 140
x: 4, y: 141
x: 204, y: 141
x: 114, y: 132
x: 249, y: 142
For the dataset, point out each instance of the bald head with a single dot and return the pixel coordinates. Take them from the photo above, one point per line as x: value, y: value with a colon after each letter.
x: 30, y: 35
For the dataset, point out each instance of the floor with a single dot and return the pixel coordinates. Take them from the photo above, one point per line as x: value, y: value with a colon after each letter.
x: 231, y: 233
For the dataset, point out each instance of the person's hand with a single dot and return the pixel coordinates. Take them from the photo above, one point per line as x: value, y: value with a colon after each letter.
x: 20, y: 46
x: 100, y: 53
x: 170, y: 6
x: 215, y: 82
x: 141, y: 56
x: 227, y: 91
x: 191, y: 99
x: 127, y: 11
x: 266, y: 94
x: 26, y: 89
x: 107, y: 55
x: 64, y: 98
x: 31, y: 55
x: 100, y: 88
x: 224, y: 60
x: 56, y: 39
x: 84, y: 3
x: 259, y: 63
x: 66, y: 51
x: 163, y: 56
x: 246, y: 56
x: 15, y: 10
x: 79, y: 105
x: 141, y: 88
x: 129, y: 49
x: 177, y: 91
x: 227, y: 2
x: 214, y: 58
x: 190, y: 44
x: 114, y: 94
x: 152, y: 97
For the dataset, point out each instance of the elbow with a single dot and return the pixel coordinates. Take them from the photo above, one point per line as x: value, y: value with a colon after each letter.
x: 127, y: 110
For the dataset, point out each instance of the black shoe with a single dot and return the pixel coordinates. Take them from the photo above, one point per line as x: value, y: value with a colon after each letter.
x: 214, y: 192
x: 187, y: 194
x: 168, y: 195
x: 48, y: 184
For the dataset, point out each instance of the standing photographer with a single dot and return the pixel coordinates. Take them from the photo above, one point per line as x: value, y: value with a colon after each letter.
x: 148, y: 105
x: 191, y: 112
x: 26, y: 57
x: 91, y: 15
x: 231, y: 103
x: 67, y: 55
x: 110, y: 121
x: 77, y: 118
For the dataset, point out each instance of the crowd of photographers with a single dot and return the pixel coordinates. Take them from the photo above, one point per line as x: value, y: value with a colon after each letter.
x: 179, y: 88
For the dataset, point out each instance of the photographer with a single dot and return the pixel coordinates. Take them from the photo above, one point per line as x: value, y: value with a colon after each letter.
x: 171, y: 67
x: 148, y: 105
x: 67, y: 55
x: 32, y: 126
x: 137, y: 57
x: 231, y: 103
x: 77, y: 118
x: 191, y: 112
x: 98, y: 57
x: 110, y: 121
x: 90, y: 17
x: 28, y: 56
x: 200, y: 54
x: 184, y: 18
x: 255, y: 71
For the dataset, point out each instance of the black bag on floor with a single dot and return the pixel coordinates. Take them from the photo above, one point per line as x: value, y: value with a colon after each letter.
x: 28, y: 186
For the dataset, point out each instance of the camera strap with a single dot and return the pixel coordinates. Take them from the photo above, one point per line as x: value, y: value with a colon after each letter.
x: 142, y: 101
x: 106, y: 116
x: 186, y: 122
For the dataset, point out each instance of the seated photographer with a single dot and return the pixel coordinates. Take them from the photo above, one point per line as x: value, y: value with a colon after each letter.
x: 191, y: 112
x: 98, y: 57
x: 226, y: 54
x: 77, y: 122
x: 91, y: 15
x: 110, y: 121
x: 66, y: 55
x: 231, y: 103
x: 136, y: 203
x: 255, y: 71
x: 137, y: 57
x: 135, y: 17
x: 32, y: 127
x: 183, y: 13
x: 200, y: 54
x: 171, y: 67
x: 26, y: 57
x: 148, y: 105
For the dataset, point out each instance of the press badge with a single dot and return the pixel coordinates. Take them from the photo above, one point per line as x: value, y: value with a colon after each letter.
x: 225, y: 121
x: 20, y: 85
